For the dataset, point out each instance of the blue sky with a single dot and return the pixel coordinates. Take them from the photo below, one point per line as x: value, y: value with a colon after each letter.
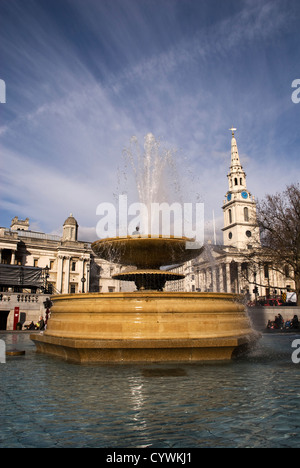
x: 83, y: 76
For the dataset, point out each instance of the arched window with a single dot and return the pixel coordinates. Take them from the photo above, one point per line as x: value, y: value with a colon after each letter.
x: 246, y: 214
x: 235, y: 181
x: 230, y: 216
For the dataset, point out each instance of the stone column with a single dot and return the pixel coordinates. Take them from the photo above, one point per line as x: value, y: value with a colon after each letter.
x: 239, y: 277
x: 206, y: 279
x: 13, y: 257
x: 221, y: 278
x: 198, y: 282
x: 214, y: 279
x: 228, y: 278
x: 60, y: 263
x: 67, y: 275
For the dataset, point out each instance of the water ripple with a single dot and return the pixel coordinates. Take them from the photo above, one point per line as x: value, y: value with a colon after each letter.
x: 252, y: 402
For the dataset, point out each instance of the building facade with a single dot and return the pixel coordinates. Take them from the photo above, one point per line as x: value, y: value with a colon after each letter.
x: 236, y: 266
x: 67, y: 265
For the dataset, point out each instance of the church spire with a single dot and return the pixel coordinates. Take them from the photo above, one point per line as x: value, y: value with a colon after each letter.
x: 235, y: 159
x: 239, y: 206
x: 236, y: 176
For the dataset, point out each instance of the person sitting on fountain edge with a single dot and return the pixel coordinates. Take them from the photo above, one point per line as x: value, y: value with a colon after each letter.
x: 136, y: 232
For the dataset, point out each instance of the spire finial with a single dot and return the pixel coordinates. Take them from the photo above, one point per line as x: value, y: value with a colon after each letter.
x: 232, y: 129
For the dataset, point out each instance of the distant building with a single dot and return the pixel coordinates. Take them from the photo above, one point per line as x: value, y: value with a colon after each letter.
x: 66, y: 265
x: 71, y: 265
x: 226, y: 267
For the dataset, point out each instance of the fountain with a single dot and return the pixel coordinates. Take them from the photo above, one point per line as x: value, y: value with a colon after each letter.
x: 149, y: 324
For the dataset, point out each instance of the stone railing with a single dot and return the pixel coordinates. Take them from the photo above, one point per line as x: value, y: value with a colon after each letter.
x: 7, y: 297
x: 9, y: 300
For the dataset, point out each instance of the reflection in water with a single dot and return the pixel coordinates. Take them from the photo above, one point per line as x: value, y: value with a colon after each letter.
x: 139, y: 422
x: 164, y: 372
x: 251, y: 402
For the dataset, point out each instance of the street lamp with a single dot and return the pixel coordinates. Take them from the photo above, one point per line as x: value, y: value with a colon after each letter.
x: 255, y: 290
x: 88, y: 277
x: 83, y: 280
x: 46, y: 270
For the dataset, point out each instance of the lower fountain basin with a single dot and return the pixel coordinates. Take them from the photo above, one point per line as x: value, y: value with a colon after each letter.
x: 146, y: 326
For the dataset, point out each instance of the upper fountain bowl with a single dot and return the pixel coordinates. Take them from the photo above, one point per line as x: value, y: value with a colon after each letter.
x: 146, y: 252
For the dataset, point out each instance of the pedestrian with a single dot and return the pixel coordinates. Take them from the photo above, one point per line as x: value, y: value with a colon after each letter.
x: 40, y: 324
x: 280, y: 321
x: 295, y: 322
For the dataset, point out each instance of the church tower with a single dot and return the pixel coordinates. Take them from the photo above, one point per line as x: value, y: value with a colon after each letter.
x: 239, y: 206
x: 70, y: 229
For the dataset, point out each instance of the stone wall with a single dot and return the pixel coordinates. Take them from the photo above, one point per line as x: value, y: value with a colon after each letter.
x: 31, y: 306
x: 261, y: 315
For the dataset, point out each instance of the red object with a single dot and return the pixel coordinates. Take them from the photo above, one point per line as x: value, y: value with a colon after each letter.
x: 16, y: 317
x: 272, y: 303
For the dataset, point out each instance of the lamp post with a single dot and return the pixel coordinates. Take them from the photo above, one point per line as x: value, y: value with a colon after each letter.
x: 88, y: 277
x: 83, y: 280
x: 255, y: 290
x: 46, y: 270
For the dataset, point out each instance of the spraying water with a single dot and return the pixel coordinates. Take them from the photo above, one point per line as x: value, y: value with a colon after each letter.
x: 155, y: 174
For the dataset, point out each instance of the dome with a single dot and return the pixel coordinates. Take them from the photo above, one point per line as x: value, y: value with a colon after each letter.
x: 70, y: 221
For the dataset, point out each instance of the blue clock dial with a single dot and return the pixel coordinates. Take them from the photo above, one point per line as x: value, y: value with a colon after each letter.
x: 244, y: 195
x: 229, y: 197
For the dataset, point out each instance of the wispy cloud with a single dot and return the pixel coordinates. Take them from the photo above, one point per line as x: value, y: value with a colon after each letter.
x: 83, y: 77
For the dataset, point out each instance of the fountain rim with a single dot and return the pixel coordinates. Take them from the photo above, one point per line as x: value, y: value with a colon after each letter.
x: 150, y: 294
x: 146, y: 237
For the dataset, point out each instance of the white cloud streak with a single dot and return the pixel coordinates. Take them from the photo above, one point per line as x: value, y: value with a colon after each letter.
x: 83, y: 98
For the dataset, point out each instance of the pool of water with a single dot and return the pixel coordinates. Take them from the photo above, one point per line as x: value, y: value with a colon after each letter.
x: 251, y: 402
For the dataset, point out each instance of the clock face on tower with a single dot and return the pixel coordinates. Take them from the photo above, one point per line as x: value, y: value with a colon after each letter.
x: 244, y: 195
x: 229, y: 197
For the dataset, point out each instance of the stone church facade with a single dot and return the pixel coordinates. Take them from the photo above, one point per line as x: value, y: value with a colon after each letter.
x: 227, y: 267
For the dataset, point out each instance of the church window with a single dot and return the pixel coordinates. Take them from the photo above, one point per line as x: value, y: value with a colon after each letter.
x: 248, y: 233
x: 241, y: 181
x: 245, y: 269
x: 246, y: 214
x: 230, y: 235
x: 73, y: 266
x: 235, y: 181
x: 266, y: 270
x: 230, y: 216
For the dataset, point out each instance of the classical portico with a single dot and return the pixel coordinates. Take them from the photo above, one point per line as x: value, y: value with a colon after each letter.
x: 226, y: 275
